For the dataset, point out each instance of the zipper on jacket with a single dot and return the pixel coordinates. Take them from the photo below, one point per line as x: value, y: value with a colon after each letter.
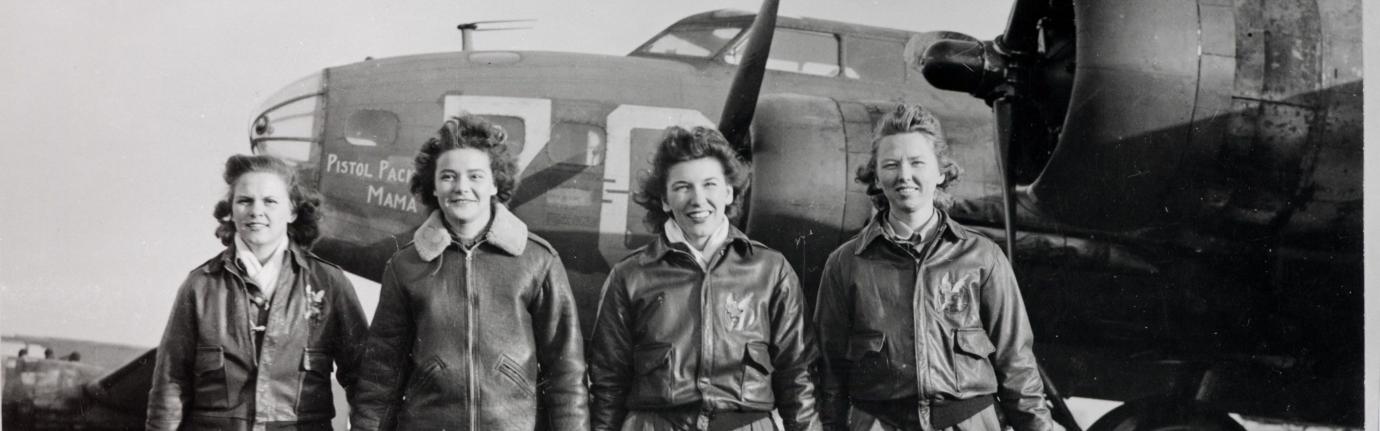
x: 257, y: 349
x: 921, y: 327
x: 469, y: 339
x: 702, y: 382
x: 248, y: 325
x: 706, y: 329
x: 707, y: 318
x: 920, y: 300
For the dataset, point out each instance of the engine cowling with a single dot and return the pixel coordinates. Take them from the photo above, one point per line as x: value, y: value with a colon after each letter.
x: 1239, y: 117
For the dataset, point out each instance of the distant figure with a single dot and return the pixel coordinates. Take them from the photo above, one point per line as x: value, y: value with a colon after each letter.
x: 475, y: 327
x: 23, y: 352
x: 74, y: 357
x: 255, y: 331
x: 919, y: 317
x: 48, y: 353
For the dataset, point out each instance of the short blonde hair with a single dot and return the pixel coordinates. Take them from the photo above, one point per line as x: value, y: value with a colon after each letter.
x: 910, y: 118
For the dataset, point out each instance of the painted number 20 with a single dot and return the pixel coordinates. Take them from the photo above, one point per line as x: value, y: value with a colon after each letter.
x: 620, y: 123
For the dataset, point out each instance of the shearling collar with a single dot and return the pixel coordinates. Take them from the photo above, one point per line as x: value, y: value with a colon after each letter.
x: 506, y: 232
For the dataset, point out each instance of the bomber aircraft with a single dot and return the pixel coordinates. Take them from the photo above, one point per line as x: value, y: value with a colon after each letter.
x: 1183, y: 177
x: 1178, y: 182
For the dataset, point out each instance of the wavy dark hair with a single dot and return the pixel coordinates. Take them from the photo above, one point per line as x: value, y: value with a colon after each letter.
x: 464, y: 131
x: 306, y: 203
x: 907, y: 118
x: 681, y: 145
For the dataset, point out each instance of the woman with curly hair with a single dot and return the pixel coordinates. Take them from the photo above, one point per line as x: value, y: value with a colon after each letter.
x: 921, y: 324
x: 704, y: 328
x: 256, y: 331
x: 476, y: 326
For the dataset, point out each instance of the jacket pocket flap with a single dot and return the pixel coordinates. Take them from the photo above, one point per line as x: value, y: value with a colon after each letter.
x: 860, y: 344
x: 759, y: 355
x: 317, y: 360
x: 208, y: 358
x: 510, y: 368
x: 651, y: 357
x: 973, y: 342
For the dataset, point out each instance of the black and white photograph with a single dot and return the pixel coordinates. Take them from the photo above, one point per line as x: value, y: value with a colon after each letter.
x: 1036, y: 215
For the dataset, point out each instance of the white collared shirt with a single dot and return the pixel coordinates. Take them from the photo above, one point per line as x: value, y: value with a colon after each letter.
x: 716, y: 241
x: 265, y: 275
x: 917, y: 235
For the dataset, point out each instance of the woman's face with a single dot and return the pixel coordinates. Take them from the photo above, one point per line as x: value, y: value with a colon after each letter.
x: 261, y: 209
x: 465, y: 186
x: 908, y: 172
x: 697, y: 196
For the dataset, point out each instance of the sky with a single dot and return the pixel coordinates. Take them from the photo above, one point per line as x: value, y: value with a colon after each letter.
x: 117, y: 117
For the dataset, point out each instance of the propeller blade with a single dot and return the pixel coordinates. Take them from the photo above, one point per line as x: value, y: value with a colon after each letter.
x: 1022, y: 30
x: 1060, y: 413
x: 747, y: 83
x: 1003, y: 109
x: 1014, y: 124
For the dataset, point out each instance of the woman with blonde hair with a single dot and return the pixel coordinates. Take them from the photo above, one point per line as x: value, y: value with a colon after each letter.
x: 256, y: 331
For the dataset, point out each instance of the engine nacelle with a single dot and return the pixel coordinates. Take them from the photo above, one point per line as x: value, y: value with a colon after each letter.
x: 1243, y: 119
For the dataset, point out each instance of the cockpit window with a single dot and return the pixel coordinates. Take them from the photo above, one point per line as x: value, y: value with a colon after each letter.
x: 698, y: 42
x: 372, y: 128
x: 286, y: 124
x: 872, y: 59
x: 799, y: 51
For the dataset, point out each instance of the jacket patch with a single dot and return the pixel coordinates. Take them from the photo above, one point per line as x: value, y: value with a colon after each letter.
x: 954, y: 293
x: 315, y: 305
x: 739, y: 312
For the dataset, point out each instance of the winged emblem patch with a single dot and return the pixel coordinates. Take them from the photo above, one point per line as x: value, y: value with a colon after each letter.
x: 954, y: 292
x: 739, y: 311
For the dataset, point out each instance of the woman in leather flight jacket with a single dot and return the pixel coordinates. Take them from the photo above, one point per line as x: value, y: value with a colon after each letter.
x: 703, y: 329
x: 476, y: 326
x: 920, y: 320
x: 254, y: 331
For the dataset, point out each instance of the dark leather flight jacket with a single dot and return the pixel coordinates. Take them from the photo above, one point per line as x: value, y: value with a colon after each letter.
x: 207, y: 374
x: 669, y: 335
x: 474, y: 339
x: 936, y: 322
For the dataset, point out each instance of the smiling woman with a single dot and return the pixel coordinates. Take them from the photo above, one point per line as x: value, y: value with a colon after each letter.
x: 260, y: 212
x: 477, y: 310
x: 657, y: 315
x: 263, y: 188
x: 263, y: 324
